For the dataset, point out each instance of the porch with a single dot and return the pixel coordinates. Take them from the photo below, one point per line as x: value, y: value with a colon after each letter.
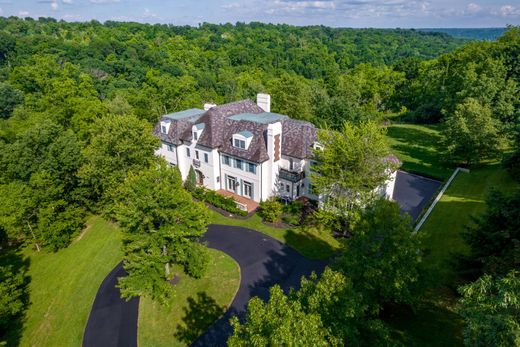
x: 242, y: 202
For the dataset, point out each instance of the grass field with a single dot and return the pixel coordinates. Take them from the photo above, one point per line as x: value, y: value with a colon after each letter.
x: 419, y: 148
x: 309, y: 242
x: 63, y: 285
x: 196, y: 305
x: 436, y: 322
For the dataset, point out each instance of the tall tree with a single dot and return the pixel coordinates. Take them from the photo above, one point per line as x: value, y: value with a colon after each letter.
x: 471, y: 133
x: 281, y: 321
x: 349, y: 168
x: 382, y: 258
x: 119, y: 145
x: 491, y: 309
x: 161, y: 225
x: 9, y: 99
x: 495, y: 238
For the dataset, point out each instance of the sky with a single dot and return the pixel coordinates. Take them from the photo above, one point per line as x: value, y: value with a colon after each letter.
x: 336, y: 13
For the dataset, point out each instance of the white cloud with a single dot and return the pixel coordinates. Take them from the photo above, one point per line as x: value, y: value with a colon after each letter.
x: 23, y: 13
x: 509, y: 11
x: 54, y: 5
x: 232, y: 5
x: 473, y: 8
x: 103, y: 1
x: 67, y: 1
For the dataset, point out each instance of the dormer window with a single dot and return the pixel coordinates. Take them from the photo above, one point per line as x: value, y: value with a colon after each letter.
x: 240, y: 143
x: 196, y: 131
x: 165, y: 126
x: 242, y: 139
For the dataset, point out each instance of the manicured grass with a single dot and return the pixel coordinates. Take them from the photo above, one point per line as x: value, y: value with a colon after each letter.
x: 436, y: 322
x: 464, y: 199
x: 310, y: 242
x: 196, y: 305
x: 63, y: 285
x: 419, y: 148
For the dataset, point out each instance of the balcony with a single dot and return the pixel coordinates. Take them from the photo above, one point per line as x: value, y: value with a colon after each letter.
x: 291, y: 176
x: 196, y: 163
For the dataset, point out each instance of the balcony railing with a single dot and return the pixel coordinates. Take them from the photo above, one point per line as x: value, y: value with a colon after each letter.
x: 291, y: 176
x: 196, y: 163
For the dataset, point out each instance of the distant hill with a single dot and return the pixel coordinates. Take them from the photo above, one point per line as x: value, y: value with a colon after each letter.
x: 483, y: 34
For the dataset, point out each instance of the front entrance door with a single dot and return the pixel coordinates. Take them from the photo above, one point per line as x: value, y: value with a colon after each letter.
x: 232, y: 184
x: 200, y: 177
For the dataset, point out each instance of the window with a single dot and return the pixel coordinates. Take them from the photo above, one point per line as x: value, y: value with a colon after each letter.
x: 251, y: 168
x: 287, y: 188
x: 170, y: 148
x: 196, y: 154
x: 163, y: 129
x: 206, y: 157
x: 226, y: 160
x: 218, y: 179
x: 188, y: 152
x: 291, y: 164
x: 248, y: 189
x: 232, y: 184
x: 195, y: 135
x: 239, y: 164
x: 240, y: 143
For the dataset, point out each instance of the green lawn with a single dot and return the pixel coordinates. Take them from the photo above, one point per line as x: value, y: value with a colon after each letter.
x: 63, y: 285
x: 196, y: 305
x: 419, y: 148
x: 436, y: 323
x: 310, y: 242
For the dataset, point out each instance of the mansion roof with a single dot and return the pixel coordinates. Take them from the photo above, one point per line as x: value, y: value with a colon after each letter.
x: 223, y: 121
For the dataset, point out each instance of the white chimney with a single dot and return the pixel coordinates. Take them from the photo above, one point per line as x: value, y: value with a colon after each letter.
x: 264, y: 101
x: 208, y: 106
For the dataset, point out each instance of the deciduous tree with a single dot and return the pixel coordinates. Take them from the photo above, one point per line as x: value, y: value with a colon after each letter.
x: 491, y: 309
x: 162, y: 225
x: 349, y: 168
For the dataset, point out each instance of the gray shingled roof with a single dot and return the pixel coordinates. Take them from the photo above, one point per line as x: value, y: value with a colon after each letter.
x: 298, y: 138
x: 221, y: 122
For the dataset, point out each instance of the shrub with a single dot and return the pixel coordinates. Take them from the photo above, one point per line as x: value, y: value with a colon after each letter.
x: 217, y: 200
x: 271, y: 210
x: 197, y: 260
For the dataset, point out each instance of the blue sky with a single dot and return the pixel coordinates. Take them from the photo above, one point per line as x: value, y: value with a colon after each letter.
x: 338, y: 13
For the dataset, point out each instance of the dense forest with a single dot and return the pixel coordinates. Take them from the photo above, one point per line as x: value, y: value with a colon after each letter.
x: 484, y: 34
x: 78, y: 102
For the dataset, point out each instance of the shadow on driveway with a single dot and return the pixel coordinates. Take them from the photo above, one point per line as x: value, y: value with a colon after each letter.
x: 413, y: 193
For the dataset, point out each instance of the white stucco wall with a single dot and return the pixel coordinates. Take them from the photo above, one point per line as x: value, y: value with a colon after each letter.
x: 242, y: 175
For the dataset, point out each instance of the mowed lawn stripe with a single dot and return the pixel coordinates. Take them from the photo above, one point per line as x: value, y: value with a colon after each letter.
x: 63, y: 285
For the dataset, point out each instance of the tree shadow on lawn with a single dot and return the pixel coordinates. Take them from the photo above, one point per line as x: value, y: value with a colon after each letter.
x: 11, y: 332
x: 201, y: 313
x: 430, y: 325
x: 413, y: 136
x: 310, y: 244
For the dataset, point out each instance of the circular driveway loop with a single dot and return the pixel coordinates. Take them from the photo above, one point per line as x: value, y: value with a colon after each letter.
x: 263, y: 262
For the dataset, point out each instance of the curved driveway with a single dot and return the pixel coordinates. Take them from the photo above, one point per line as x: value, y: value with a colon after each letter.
x: 263, y: 262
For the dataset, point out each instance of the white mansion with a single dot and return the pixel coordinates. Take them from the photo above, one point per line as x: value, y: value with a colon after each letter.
x: 242, y: 148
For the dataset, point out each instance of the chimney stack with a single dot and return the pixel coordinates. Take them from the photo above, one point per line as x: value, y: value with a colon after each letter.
x: 264, y: 101
x: 208, y: 106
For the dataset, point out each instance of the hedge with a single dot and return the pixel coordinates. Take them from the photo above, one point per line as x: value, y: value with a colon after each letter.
x: 217, y: 200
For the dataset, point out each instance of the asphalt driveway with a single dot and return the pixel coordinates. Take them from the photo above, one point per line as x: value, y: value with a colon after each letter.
x: 413, y: 193
x: 112, y: 320
x: 263, y: 262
